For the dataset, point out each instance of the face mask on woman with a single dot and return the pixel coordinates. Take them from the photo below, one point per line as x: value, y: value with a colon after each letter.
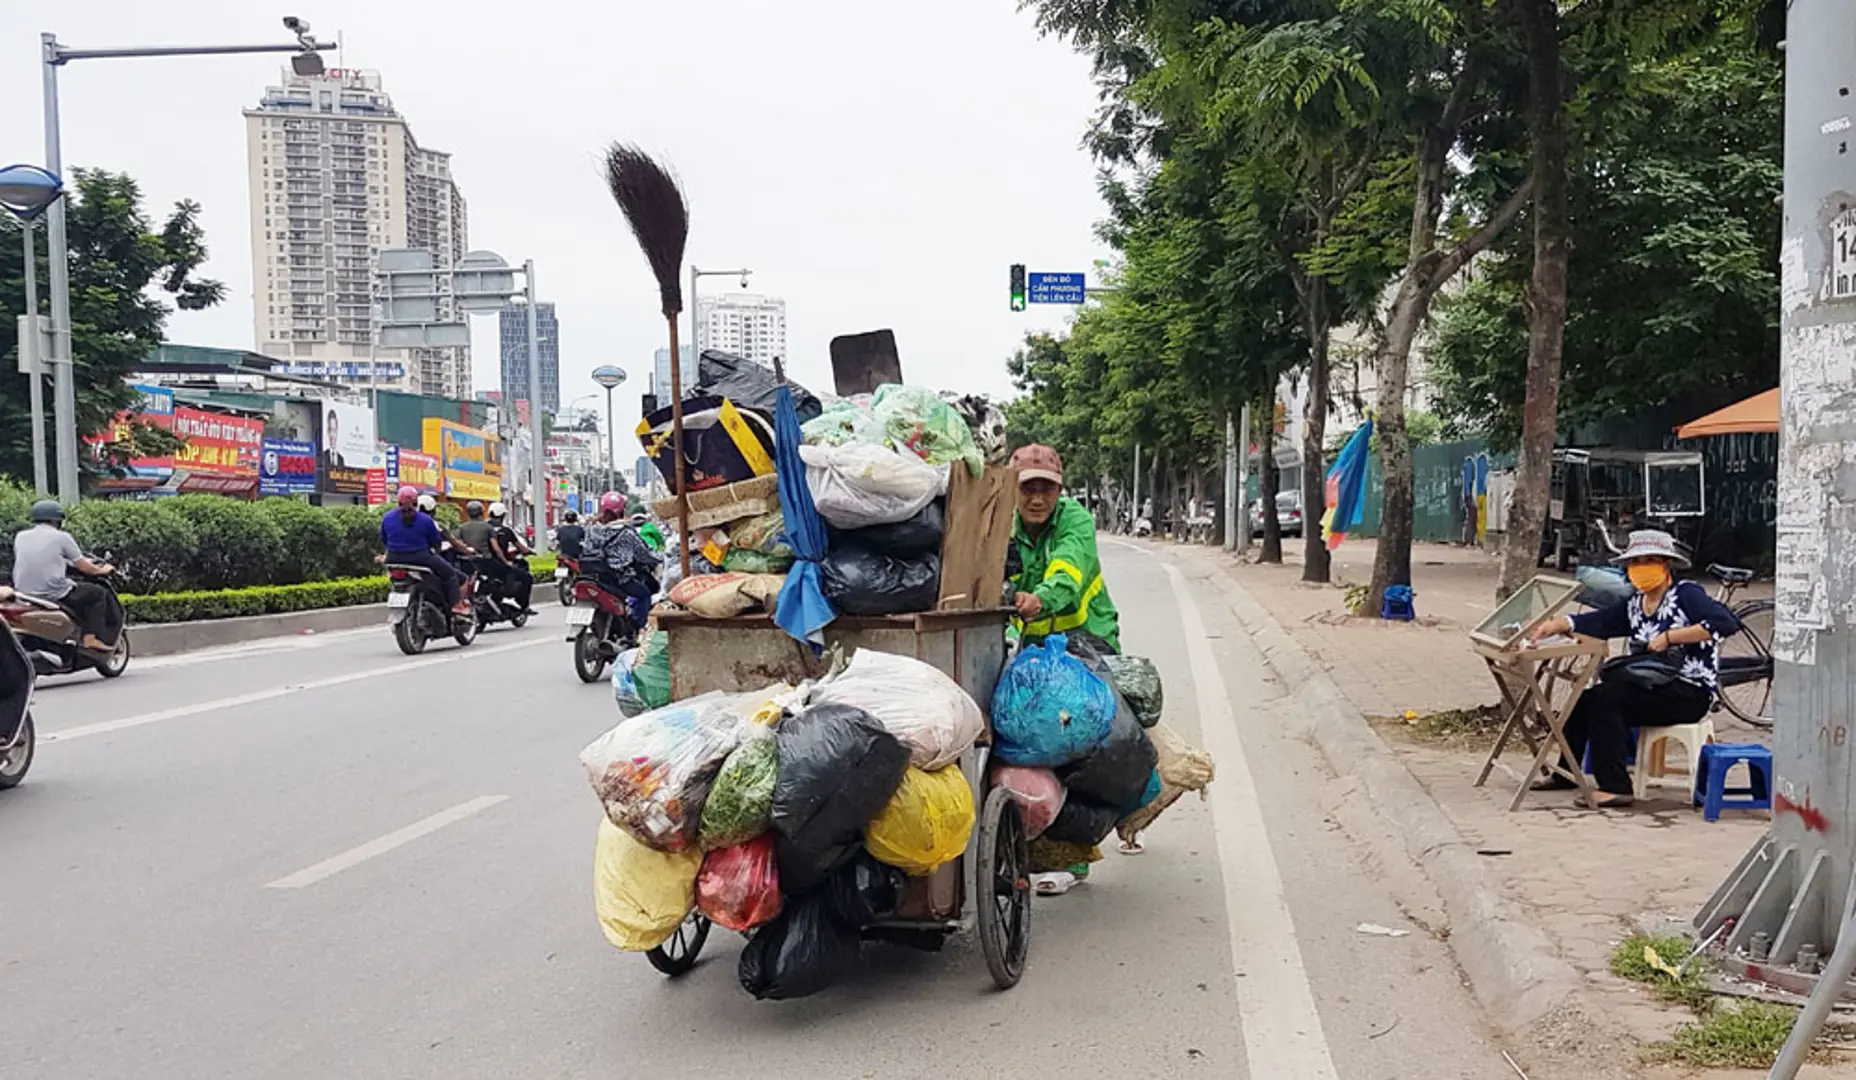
x: 1647, y: 577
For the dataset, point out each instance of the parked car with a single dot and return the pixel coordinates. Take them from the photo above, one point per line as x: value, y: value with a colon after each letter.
x: 1288, y: 514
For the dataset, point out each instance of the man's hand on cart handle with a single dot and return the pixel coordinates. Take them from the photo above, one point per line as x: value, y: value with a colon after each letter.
x: 1028, y: 605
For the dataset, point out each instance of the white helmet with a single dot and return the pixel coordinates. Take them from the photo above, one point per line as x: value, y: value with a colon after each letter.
x: 428, y: 502
x: 498, y: 510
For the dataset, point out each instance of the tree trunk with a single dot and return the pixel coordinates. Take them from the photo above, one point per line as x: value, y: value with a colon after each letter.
x: 1315, y: 559
x: 1546, y: 295
x: 1427, y: 270
x: 1392, y: 562
x: 1271, y: 484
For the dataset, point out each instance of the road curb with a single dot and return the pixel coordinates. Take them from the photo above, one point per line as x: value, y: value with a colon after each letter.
x: 167, y: 639
x: 1514, y: 969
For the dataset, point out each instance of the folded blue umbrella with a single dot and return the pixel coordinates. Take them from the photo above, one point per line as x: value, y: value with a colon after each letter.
x: 802, y: 609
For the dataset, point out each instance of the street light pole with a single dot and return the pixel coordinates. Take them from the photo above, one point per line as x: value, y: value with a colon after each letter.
x: 52, y: 57
x: 539, y: 467
x: 612, y: 444
x: 29, y: 348
x: 696, y: 277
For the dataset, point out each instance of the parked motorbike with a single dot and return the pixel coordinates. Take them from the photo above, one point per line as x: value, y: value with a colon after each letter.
x: 53, y: 639
x: 489, y: 602
x: 565, y: 571
x: 416, y: 608
x: 17, y: 737
x: 602, y: 628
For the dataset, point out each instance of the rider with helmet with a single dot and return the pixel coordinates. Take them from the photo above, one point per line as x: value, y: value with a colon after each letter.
x: 412, y: 538
x: 428, y: 505
x: 568, y: 537
x: 42, y: 557
x: 614, y: 555
x: 506, y: 550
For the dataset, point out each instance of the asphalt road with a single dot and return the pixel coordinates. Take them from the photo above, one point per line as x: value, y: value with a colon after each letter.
x: 317, y: 858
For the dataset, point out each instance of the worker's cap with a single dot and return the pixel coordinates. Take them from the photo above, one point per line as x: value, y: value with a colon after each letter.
x: 1037, y: 462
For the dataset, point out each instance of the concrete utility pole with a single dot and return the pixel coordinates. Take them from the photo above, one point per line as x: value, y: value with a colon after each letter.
x: 1793, y: 889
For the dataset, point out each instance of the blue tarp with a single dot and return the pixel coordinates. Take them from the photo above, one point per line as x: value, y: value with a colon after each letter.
x: 802, y: 609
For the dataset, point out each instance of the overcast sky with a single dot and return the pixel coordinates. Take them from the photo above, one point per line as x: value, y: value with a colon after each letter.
x: 878, y: 164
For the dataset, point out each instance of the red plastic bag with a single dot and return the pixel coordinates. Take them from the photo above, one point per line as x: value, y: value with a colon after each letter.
x: 739, y: 886
x: 1038, y: 793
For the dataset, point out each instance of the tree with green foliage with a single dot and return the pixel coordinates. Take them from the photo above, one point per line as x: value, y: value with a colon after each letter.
x: 120, y: 262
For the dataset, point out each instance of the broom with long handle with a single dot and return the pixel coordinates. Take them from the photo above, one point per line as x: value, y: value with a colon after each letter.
x: 653, y: 205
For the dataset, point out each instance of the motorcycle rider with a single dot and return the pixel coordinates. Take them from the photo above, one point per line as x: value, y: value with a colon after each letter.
x: 649, y: 532
x: 428, y: 505
x: 42, y: 557
x: 568, y: 537
x: 616, y: 557
x: 507, y: 549
x: 412, y: 538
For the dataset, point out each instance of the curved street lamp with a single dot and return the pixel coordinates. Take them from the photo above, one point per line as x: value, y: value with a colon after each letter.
x: 25, y: 192
x: 610, y: 376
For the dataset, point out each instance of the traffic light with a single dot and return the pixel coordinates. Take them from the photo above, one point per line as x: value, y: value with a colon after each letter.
x: 1018, y: 286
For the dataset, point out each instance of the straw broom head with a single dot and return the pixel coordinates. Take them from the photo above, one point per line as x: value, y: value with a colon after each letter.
x: 653, y: 206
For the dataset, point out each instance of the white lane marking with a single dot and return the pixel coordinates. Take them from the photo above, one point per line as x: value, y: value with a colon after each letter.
x: 353, y: 857
x: 1282, y: 1028
x: 198, y: 707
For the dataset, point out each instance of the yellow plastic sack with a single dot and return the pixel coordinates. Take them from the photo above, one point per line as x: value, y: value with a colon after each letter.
x: 926, y: 823
x: 642, y: 895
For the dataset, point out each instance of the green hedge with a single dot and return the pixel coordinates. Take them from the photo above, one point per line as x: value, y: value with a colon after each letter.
x: 259, y: 600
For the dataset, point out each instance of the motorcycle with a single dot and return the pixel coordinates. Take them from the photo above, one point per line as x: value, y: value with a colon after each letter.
x: 565, y: 571
x: 489, y: 602
x: 416, y: 608
x: 53, y: 639
x: 17, y: 737
x: 601, y: 629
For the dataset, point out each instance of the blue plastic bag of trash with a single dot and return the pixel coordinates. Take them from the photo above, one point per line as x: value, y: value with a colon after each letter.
x: 1049, y: 709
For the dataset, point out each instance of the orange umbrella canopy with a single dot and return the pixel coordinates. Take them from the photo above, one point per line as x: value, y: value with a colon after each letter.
x: 1759, y: 413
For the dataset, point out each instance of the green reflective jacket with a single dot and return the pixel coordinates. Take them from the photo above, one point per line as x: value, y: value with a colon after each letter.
x: 1061, y: 567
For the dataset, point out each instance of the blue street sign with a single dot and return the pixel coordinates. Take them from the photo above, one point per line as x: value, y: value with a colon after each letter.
x: 1056, y: 289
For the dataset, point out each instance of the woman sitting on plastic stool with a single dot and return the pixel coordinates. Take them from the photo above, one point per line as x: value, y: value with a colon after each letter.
x: 1662, y: 616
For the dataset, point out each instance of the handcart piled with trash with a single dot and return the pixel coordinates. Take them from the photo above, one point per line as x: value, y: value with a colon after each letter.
x: 829, y: 737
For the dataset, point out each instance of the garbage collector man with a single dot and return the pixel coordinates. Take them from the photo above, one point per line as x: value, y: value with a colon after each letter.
x: 1055, y: 571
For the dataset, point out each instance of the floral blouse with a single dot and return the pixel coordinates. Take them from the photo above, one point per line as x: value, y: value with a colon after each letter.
x: 1685, y: 604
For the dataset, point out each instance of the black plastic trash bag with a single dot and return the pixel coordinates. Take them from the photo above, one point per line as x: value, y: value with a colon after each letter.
x: 748, y: 384
x: 864, y: 892
x: 859, y: 582
x: 911, y: 536
x: 1115, y: 773
x: 838, y: 769
x: 802, y: 951
x: 803, y: 870
x: 1137, y: 679
x: 1082, y: 821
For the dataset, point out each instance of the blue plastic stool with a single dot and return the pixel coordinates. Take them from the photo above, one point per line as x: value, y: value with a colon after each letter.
x: 1398, y: 604
x: 1711, y: 791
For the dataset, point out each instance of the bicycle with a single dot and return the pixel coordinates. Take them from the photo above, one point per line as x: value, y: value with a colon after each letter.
x: 1745, y: 688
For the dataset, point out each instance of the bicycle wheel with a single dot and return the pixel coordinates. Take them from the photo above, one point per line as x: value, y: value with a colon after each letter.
x: 1746, y: 665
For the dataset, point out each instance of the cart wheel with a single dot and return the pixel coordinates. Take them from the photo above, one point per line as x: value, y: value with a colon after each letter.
x: 678, y: 955
x: 1002, y: 889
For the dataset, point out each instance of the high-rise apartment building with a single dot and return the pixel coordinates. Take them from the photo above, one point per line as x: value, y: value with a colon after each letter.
x: 335, y: 177
x: 513, y: 324
x: 745, y: 324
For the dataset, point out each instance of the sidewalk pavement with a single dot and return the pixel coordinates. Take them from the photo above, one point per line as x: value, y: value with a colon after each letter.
x: 1587, y: 879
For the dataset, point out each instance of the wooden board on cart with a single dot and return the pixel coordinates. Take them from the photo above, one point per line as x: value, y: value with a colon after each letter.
x: 980, y: 512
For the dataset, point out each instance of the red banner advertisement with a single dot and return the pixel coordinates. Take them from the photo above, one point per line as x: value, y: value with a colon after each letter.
x: 420, y: 470
x: 217, y: 444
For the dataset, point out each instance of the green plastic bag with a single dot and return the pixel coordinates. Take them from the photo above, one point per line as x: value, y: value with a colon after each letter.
x: 740, y: 804
x: 918, y: 420
x: 749, y: 561
x: 846, y: 420
x: 1137, y: 680
x: 651, y: 675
